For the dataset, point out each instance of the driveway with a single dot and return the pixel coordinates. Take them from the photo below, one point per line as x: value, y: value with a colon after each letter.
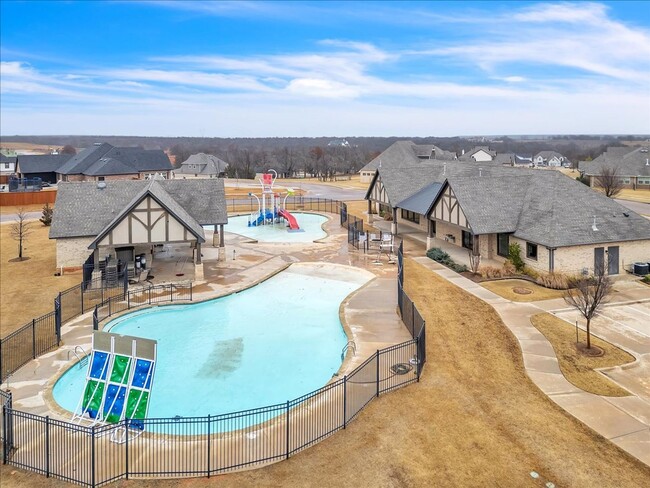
x: 638, y: 207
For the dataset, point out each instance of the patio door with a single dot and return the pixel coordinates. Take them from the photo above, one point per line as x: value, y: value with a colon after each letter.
x: 599, y: 259
x: 612, y: 260
x: 468, y: 240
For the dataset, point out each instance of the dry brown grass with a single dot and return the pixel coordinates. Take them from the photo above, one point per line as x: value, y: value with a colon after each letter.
x: 353, y: 182
x: 504, y: 288
x: 28, y: 287
x: 12, y: 210
x: 642, y: 196
x: 475, y: 419
x: 576, y: 367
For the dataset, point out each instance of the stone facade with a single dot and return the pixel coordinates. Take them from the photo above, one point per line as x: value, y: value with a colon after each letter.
x: 71, y: 253
x: 575, y: 259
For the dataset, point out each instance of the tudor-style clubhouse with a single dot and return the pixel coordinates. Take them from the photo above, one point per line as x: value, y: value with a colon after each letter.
x: 560, y: 224
x: 122, y: 219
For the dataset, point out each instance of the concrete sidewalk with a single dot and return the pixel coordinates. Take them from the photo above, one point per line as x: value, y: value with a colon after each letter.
x: 623, y: 420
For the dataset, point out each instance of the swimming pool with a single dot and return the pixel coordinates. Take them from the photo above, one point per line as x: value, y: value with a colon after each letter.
x: 265, y: 345
x: 310, y: 229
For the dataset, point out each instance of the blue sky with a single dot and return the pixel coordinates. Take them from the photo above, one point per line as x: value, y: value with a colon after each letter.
x: 259, y: 69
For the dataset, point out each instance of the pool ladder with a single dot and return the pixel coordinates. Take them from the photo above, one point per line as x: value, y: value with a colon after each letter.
x: 81, y: 360
x: 347, y: 347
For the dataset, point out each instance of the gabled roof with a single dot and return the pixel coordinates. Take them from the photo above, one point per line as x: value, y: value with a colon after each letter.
x: 546, y: 155
x: 42, y: 163
x: 83, y: 209
x: 208, y: 164
x: 404, y: 152
x: 547, y: 208
x: 7, y: 159
x: 103, y: 158
x: 627, y: 161
x: 468, y: 155
x: 155, y: 190
x: 421, y: 201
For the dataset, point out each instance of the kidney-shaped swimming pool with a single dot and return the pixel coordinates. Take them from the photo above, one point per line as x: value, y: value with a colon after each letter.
x: 265, y: 345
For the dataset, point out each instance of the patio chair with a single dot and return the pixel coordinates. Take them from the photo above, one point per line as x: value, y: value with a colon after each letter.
x: 141, y: 279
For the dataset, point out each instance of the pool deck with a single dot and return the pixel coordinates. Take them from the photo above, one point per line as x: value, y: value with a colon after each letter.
x: 369, y: 314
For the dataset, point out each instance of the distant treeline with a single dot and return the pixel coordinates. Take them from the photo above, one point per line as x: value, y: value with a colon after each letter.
x: 326, y: 156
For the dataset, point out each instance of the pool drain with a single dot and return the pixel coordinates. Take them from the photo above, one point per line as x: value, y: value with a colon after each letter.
x: 401, y: 368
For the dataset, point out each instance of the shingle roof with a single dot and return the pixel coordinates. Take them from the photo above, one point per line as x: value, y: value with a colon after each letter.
x: 631, y: 162
x: 83, y: 209
x: 548, y: 155
x: 7, y: 159
x: 208, y: 165
x: 157, y: 192
x: 103, y: 158
x: 404, y: 152
x: 545, y: 207
x: 42, y: 163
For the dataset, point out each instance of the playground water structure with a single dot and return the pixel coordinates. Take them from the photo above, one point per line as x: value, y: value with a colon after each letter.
x: 269, y: 210
x: 261, y: 346
x: 311, y: 224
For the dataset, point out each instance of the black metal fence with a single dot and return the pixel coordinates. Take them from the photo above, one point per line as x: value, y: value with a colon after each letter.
x: 43, y: 333
x: 202, y: 446
x: 168, y: 292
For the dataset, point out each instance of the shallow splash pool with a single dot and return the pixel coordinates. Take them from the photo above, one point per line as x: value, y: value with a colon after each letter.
x: 265, y: 345
x: 310, y: 229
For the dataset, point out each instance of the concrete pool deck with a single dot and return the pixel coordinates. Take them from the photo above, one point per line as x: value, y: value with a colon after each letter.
x: 369, y: 325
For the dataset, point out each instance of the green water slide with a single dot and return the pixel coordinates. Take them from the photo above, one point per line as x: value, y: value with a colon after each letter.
x: 93, y: 395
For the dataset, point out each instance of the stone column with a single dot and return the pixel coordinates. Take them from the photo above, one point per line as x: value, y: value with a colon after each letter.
x: 429, y: 234
x: 198, y: 253
x: 222, y: 245
x: 370, y: 211
x: 393, y: 225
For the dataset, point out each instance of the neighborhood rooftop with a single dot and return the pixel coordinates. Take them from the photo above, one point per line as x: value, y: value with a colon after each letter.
x: 104, y: 159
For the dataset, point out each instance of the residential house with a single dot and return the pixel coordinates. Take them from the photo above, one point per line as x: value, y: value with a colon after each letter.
x: 479, y: 154
x: 632, y: 166
x: 43, y: 166
x: 95, y: 220
x: 552, y: 159
x: 102, y: 162
x: 206, y: 165
x: 7, y: 167
x: 487, y: 209
x: 401, y: 152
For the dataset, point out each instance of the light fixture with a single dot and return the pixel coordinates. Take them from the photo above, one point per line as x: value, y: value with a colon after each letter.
x: 593, y: 226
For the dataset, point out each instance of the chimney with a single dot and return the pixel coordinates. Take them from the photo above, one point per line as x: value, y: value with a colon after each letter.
x: 462, y: 153
x: 480, y: 171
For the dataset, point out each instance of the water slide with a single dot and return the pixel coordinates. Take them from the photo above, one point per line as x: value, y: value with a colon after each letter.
x: 260, y: 218
x: 293, y: 224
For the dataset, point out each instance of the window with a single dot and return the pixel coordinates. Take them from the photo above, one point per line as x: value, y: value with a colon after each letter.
x: 626, y: 181
x: 6, y: 165
x: 468, y: 240
x: 531, y: 251
x: 643, y: 181
x: 503, y: 244
x: 100, y: 178
x: 411, y: 216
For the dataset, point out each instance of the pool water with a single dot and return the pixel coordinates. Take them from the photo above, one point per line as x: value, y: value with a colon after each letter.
x: 265, y: 345
x: 310, y: 229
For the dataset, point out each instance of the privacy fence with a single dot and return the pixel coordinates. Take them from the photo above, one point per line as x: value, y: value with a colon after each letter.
x: 204, y: 446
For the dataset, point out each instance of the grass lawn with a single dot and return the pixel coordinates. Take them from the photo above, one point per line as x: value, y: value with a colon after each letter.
x: 642, y: 196
x: 28, y: 287
x: 505, y: 288
x: 475, y: 419
x: 576, y: 367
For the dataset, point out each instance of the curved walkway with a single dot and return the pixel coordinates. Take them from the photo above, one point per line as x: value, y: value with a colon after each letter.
x: 623, y: 420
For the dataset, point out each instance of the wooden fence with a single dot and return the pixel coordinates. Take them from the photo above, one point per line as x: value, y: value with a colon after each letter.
x: 18, y: 198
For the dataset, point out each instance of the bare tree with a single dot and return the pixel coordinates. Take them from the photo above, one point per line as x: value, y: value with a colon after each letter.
x: 609, y: 180
x: 474, y: 261
x: 68, y: 149
x: 588, y: 294
x: 20, y: 229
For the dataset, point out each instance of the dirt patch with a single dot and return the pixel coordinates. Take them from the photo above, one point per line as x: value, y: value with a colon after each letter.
x: 19, y: 260
x: 577, y: 363
x: 522, y: 291
x: 29, y: 286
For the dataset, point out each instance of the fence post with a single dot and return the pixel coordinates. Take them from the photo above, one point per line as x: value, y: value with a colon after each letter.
x: 96, y: 318
x: 191, y: 291
x: 92, y: 457
x: 126, y: 450
x: 377, y: 372
x: 149, y: 295
x: 47, y: 446
x: 417, y: 357
x: 171, y: 293
x: 57, y: 319
x: 128, y: 300
x: 81, y: 289
x: 287, y: 430
x: 34, y: 338
x: 109, y: 306
x: 208, y: 445
x: 345, y: 406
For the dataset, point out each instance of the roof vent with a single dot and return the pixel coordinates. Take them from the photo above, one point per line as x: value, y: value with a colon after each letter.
x: 480, y: 171
x: 101, y: 185
x: 626, y: 214
x: 97, y: 144
x: 593, y: 226
x: 647, y: 162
